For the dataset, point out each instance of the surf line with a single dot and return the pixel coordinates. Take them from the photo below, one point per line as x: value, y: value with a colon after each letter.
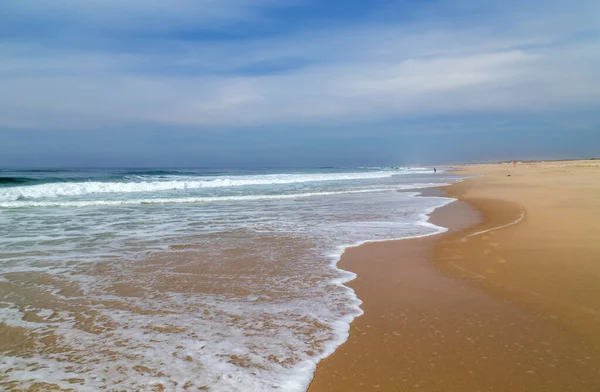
x: 519, y: 219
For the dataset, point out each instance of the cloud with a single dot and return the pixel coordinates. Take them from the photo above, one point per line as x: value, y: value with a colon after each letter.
x: 495, y: 62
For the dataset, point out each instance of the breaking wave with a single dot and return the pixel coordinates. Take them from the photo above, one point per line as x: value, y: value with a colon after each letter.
x: 50, y: 190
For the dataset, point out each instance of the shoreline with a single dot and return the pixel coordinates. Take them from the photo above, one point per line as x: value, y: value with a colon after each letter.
x: 446, y: 226
x: 349, y: 276
x: 427, y: 326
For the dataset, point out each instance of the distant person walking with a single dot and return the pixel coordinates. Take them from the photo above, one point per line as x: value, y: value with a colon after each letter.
x: 434, y: 170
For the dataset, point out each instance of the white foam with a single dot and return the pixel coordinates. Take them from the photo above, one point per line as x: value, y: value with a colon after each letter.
x: 273, y: 314
x: 23, y: 203
x: 93, y: 187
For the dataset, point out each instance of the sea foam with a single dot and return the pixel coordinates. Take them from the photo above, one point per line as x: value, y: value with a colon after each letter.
x: 238, y: 291
x: 161, y: 200
x: 92, y: 187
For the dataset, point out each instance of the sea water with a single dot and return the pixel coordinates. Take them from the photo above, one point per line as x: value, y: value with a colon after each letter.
x: 188, y: 279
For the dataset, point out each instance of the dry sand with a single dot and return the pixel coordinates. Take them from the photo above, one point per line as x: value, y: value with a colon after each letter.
x: 491, y: 305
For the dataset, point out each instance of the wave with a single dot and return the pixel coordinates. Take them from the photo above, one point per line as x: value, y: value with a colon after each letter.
x: 15, y: 180
x: 50, y: 190
x: 209, y: 199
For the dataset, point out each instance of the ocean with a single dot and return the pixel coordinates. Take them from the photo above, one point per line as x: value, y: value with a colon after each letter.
x: 218, y: 280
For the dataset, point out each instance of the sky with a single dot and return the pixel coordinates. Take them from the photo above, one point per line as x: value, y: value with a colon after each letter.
x: 297, y: 83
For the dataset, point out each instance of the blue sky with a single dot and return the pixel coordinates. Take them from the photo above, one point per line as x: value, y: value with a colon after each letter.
x: 297, y: 83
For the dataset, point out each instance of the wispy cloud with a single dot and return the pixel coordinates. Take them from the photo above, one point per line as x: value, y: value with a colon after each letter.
x: 186, y: 62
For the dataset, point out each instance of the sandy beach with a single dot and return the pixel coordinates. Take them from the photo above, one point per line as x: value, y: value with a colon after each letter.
x: 507, y: 299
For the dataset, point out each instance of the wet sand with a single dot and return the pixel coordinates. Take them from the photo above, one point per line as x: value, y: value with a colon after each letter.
x: 490, y: 305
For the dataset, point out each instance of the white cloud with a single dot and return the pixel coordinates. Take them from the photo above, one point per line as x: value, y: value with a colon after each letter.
x: 350, y: 74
